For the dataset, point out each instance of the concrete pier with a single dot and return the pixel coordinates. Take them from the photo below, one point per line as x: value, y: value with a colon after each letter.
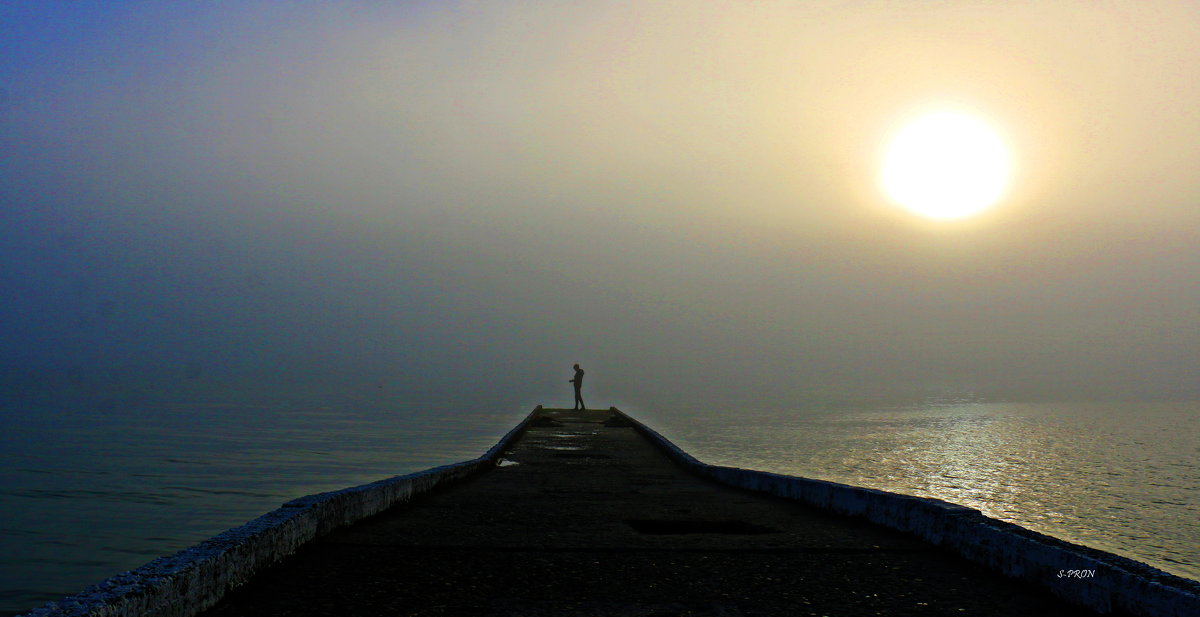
x: 583, y: 515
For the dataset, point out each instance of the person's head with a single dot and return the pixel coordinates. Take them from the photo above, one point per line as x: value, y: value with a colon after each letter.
x: 576, y: 366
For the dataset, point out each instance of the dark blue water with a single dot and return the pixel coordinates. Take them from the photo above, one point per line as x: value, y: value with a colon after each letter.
x: 87, y: 490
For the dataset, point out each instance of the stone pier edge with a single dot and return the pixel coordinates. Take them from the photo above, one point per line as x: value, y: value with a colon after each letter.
x: 1120, y: 583
x: 196, y: 578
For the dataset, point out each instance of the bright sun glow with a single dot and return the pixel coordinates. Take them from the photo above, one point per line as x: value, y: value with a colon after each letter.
x: 946, y: 165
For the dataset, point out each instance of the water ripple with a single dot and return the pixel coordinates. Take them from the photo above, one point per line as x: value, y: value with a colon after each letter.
x: 1120, y: 477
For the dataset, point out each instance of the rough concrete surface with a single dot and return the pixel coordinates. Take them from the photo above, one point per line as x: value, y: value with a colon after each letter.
x: 583, y: 518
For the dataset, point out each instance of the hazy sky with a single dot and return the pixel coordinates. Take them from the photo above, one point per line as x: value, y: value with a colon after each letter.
x: 677, y: 195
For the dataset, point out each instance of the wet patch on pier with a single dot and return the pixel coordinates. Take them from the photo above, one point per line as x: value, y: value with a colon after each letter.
x: 591, y: 455
x: 684, y: 526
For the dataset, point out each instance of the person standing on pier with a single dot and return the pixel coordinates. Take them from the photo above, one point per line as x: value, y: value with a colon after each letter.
x: 578, y: 381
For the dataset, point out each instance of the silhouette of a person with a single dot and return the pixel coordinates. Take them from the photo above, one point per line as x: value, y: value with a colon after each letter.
x: 578, y: 381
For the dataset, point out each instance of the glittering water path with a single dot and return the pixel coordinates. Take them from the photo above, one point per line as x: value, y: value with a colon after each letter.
x: 1122, y: 477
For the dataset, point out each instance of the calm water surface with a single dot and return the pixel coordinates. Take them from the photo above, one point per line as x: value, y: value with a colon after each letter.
x: 1123, y: 477
x: 88, y: 491
x: 87, y: 494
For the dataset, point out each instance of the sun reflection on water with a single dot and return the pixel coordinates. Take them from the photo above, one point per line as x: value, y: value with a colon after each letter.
x: 1119, y: 477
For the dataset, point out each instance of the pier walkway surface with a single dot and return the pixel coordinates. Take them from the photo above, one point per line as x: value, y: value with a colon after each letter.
x: 584, y: 518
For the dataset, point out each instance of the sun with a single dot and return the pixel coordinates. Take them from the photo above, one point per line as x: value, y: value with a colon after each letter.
x: 946, y: 165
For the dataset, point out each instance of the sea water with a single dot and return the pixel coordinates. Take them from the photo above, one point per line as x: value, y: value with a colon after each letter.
x: 91, y: 489
x: 1119, y: 476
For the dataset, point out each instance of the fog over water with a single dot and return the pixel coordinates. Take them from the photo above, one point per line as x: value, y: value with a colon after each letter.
x: 459, y: 197
x: 455, y: 202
